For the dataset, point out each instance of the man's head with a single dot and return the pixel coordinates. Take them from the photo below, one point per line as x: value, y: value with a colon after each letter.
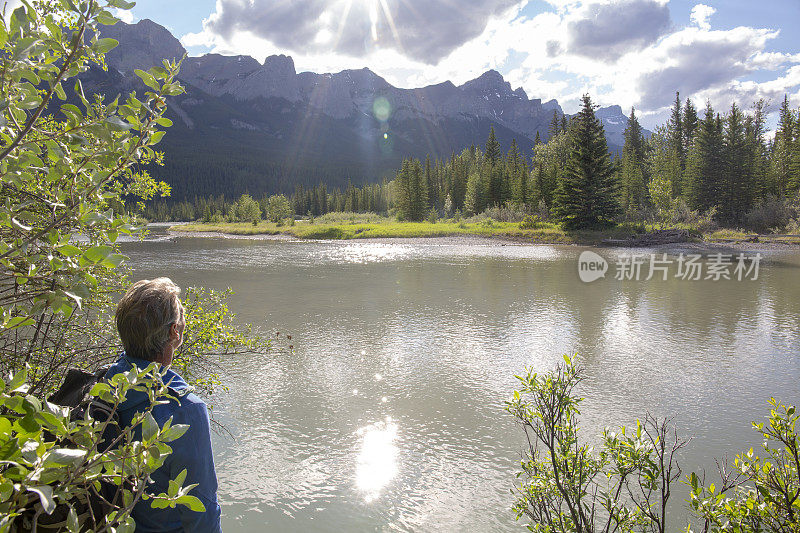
x: 150, y: 320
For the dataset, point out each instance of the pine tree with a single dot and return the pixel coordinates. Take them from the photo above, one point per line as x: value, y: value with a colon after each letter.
x: 782, y: 182
x: 587, y: 193
x: 477, y: 189
x: 677, y: 149
x: 690, y: 124
x: 492, y: 152
x: 518, y: 175
x: 555, y: 126
x: 419, y: 188
x: 537, y: 140
x: 758, y: 161
x: 403, y: 192
x: 634, y: 179
x: 704, y: 172
x: 737, y: 192
x: 794, y: 165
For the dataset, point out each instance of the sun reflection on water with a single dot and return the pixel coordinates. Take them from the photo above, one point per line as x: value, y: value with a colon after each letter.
x: 377, y: 461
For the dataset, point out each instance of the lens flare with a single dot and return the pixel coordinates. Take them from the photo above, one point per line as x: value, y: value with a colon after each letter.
x: 382, y: 109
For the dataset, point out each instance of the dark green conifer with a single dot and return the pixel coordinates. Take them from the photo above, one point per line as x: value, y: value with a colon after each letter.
x: 587, y: 193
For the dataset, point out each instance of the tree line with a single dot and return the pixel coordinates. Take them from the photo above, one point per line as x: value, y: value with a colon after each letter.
x: 720, y: 165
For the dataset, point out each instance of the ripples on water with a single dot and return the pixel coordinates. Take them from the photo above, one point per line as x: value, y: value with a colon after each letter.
x: 388, y: 414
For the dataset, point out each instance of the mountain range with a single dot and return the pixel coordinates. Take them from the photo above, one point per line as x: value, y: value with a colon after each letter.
x: 245, y: 126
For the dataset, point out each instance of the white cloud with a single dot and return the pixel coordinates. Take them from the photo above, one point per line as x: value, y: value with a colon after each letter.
x: 701, y: 14
x: 125, y: 15
x: 542, y: 55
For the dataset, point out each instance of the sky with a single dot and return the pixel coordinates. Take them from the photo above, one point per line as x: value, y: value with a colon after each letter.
x: 632, y: 53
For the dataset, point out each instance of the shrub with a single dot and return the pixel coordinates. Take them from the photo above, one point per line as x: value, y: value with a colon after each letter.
x: 433, y: 216
x: 277, y: 207
x: 63, y: 169
x: 508, y: 212
x: 530, y: 222
x: 566, y: 487
x: 770, y: 214
x: 246, y: 210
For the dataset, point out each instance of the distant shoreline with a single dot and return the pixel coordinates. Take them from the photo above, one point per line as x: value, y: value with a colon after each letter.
x: 502, y: 233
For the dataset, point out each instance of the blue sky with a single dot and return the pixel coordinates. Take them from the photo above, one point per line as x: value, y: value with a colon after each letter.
x: 625, y: 52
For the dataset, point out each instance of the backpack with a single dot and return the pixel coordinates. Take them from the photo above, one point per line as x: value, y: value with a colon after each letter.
x: 74, y: 394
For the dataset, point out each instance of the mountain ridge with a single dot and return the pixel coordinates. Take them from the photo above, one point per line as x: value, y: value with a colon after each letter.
x: 353, y: 120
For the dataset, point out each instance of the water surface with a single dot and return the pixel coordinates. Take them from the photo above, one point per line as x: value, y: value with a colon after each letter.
x: 388, y: 413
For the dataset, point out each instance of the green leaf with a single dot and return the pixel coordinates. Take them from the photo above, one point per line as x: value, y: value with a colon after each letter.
x: 104, y: 45
x: 122, y: 4
x: 117, y: 124
x: 180, y: 478
x: 107, y: 19
x: 95, y: 254
x: 113, y: 260
x: 148, y: 79
x: 6, y: 489
x: 192, y: 503
x: 149, y: 427
x: 174, y: 432
x: 19, y: 322
x: 64, y: 456
x: 72, y: 521
x: 17, y: 381
x: 45, y: 493
x: 59, y: 90
x: 68, y: 250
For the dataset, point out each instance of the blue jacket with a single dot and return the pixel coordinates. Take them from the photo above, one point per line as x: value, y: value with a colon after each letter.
x: 191, y: 451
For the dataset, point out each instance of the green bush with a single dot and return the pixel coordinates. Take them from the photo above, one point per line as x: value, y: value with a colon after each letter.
x: 567, y: 486
x: 530, y: 222
x: 53, y: 466
x: 64, y: 166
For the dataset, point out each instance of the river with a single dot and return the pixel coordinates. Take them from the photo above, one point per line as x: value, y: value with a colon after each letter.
x: 387, y: 413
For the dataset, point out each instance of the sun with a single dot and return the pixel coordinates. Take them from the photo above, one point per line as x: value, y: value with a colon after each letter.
x: 376, y: 9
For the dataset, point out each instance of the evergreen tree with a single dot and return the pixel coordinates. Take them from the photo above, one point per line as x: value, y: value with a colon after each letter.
x: 492, y: 152
x: 704, y: 172
x: 677, y: 151
x: 477, y: 189
x: 794, y: 165
x: 634, y: 178
x: 517, y: 172
x: 555, y: 126
x: 782, y: 181
x: 587, y: 193
x: 738, y: 191
x: 419, y: 191
x: 690, y: 124
x: 403, y: 192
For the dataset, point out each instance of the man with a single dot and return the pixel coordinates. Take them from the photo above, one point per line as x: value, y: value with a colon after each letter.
x: 150, y: 321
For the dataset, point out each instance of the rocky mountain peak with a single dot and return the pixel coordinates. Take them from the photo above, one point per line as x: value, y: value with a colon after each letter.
x: 490, y: 81
x: 280, y: 65
x: 141, y: 45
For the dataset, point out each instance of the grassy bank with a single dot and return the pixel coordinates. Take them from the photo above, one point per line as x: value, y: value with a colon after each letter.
x: 372, y: 226
x: 377, y: 227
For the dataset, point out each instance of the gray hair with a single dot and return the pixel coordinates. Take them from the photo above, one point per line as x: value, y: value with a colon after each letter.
x: 144, y: 317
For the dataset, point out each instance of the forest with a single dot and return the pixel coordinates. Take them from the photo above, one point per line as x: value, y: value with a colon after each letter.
x: 698, y: 166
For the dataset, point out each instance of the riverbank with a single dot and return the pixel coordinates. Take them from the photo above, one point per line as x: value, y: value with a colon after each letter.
x: 545, y: 233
